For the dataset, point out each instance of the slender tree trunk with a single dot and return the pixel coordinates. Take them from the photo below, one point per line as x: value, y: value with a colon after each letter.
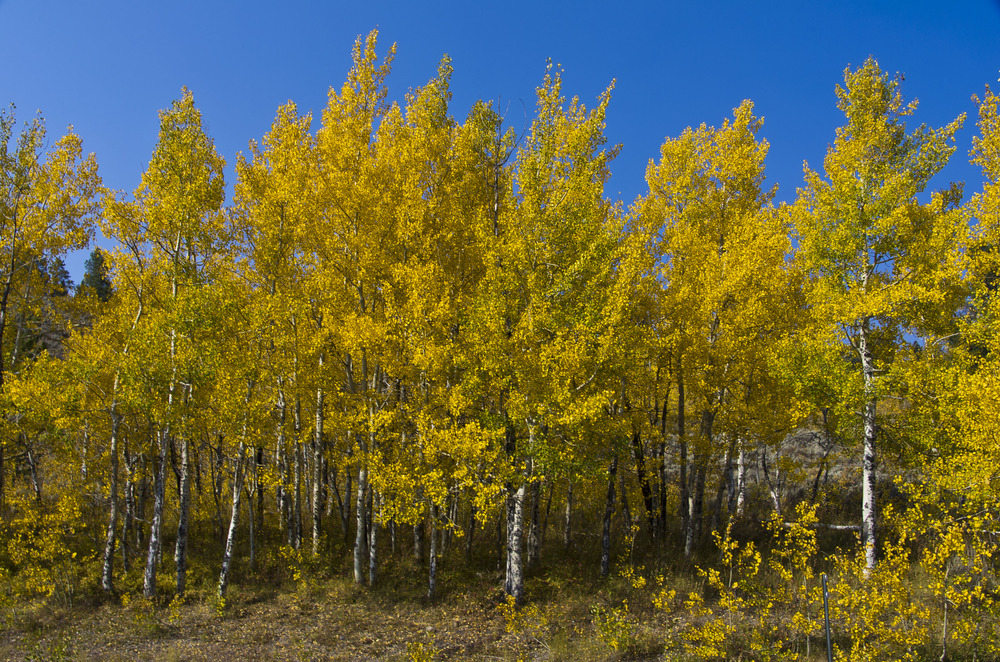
x: 545, y: 519
x: 167, y: 443
x: 868, y: 506
x: 443, y: 531
x: 696, y: 512
x: 251, y: 520
x: 432, y: 557
x: 446, y: 533
x: 682, y: 441
x: 86, y: 444
x: 328, y: 485
x: 640, y: 470
x: 109, y: 541
x: 361, y: 531
x: 140, y: 508
x: 741, y: 480
x: 626, y: 510
x: 36, y: 483
x: 258, y: 487
x: 184, y: 509
x: 156, y: 528
x: 827, y: 445
x: 661, y: 467
x: 196, y: 463
x: 534, y: 533
x: 217, y: 466
x: 725, y: 484
x: 609, y: 511
x: 299, y: 470
x: 773, y: 485
x: 514, y: 582
x: 568, y: 518
x: 348, y: 484
x: 376, y: 500
x: 469, y: 533
x: 281, y: 464
x: 698, y: 499
x: 227, y: 556
x: 737, y: 481
x: 317, y: 513
x: 418, y: 533
x: 256, y: 513
x: 662, y: 476
x: 129, y: 519
x: 418, y: 542
x: 342, y: 511
x: 175, y: 466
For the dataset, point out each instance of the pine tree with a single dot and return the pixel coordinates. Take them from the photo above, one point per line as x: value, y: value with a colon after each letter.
x: 96, y: 280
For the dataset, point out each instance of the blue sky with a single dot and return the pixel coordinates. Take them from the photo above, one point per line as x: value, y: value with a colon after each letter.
x: 107, y: 67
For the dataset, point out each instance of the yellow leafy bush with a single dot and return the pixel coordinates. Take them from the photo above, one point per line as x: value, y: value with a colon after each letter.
x: 615, y: 627
x: 755, y: 606
x: 37, y: 543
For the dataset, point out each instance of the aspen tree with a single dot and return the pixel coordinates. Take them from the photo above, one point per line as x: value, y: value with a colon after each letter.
x: 718, y: 260
x: 272, y: 201
x: 544, y: 293
x: 49, y: 197
x: 108, y: 345
x: 871, y: 249
x: 431, y: 273
x: 983, y: 256
x: 963, y: 445
x: 174, y: 228
x: 355, y: 232
x: 242, y: 349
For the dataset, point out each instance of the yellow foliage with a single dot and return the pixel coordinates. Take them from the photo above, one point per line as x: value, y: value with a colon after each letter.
x: 39, y: 547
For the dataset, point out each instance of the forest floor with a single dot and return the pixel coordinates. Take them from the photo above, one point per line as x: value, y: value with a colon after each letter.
x: 332, y: 619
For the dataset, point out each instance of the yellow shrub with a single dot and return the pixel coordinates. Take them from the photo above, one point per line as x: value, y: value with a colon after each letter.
x: 37, y: 546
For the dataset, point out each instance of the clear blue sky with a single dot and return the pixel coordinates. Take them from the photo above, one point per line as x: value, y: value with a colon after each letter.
x: 107, y: 67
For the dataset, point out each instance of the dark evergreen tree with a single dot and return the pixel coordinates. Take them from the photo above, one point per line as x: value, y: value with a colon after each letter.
x: 57, y: 276
x: 95, y: 278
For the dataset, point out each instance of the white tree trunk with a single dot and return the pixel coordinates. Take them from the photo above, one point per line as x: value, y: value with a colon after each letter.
x: 299, y: 470
x: 432, y: 557
x: 184, y: 509
x: 156, y: 527
x: 317, y: 512
x: 868, y: 507
x: 534, y: 531
x: 227, y: 557
x: 741, y: 480
x: 514, y: 580
x: 376, y: 500
x: 685, y: 501
x: 773, y: 479
x: 282, y: 497
x: 361, y: 530
x: 129, y: 519
x: 109, y: 541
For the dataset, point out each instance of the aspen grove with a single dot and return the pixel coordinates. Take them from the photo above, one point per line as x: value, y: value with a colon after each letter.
x: 409, y: 339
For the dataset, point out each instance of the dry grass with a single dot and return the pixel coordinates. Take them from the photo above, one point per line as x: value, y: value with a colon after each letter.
x: 331, y: 619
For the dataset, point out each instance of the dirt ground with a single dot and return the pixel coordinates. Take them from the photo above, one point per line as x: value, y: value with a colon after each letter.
x: 331, y: 620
